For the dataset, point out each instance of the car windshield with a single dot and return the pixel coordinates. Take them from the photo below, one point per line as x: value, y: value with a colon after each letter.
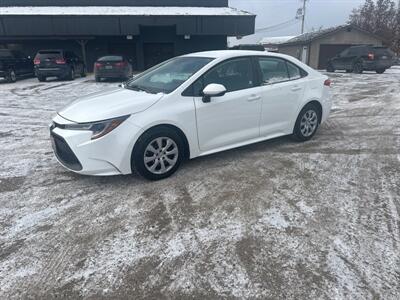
x: 167, y: 76
x: 111, y: 58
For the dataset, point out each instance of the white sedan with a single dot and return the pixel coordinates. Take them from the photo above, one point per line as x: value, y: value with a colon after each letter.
x: 190, y: 106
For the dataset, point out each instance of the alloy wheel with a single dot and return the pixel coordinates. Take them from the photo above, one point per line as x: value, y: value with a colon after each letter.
x: 309, y: 123
x: 161, y: 155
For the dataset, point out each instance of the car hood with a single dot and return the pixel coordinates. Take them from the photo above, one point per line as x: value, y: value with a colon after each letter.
x: 111, y: 103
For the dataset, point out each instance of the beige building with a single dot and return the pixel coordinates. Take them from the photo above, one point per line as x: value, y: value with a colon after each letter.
x: 316, y: 48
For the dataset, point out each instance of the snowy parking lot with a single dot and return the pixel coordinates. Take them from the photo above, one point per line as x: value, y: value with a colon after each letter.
x: 275, y: 220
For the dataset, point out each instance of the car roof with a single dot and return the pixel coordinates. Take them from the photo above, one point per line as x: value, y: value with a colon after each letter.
x: 232, y: 53
x: 51, y: 50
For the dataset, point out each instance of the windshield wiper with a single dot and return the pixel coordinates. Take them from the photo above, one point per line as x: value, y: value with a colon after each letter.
x: 139, y: 88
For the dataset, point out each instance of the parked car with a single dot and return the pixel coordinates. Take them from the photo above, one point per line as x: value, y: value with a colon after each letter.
x: 112, y: 67
x: 58, y: 63
x: 190, y: 106
x: 14, y: 64
x: 362, y: 58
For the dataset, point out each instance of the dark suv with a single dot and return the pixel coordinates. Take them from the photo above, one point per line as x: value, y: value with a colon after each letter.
x: 14, y: 64
x: 362, y: 58
x: 58, y: 63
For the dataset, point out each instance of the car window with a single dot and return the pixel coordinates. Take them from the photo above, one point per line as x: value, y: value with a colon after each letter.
x: 382, y: 51
x: 235, y: 74
x: 344, y: 53
x: 111, y: 58
x: 273, y: 70
x: 294, y: 71
x: 49, y: 55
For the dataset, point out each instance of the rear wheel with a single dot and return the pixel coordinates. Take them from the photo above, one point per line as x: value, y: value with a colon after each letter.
x: 358, y: 68
x: 41, y: 78
x: 71, y: 74
x: 307, y: 123
x: 380, y: 71
x: 158, y: 153
x: 330, y: 68
x: 11, y: 76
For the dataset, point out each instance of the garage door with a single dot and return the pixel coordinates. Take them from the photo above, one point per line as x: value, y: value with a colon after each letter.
x: 326, y: 52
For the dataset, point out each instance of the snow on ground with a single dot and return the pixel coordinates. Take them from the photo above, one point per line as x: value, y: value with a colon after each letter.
x: 275, y: 220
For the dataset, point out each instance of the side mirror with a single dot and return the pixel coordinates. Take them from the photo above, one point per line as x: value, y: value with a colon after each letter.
x: 213, y: 90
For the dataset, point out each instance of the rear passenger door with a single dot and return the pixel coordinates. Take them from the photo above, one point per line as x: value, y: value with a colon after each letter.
x: 282, y: 90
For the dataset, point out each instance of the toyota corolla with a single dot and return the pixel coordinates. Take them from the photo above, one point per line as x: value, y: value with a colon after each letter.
x: 190, y: 106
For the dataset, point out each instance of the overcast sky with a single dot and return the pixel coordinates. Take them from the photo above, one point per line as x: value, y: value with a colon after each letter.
x: 324, y: 13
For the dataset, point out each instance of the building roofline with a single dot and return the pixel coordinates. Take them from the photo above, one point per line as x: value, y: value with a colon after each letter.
x: 325, y: 34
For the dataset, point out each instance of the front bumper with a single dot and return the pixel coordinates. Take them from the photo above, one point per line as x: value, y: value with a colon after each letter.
x: 108, y: 155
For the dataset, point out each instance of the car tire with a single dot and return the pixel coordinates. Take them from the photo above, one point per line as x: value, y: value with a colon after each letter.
x: 348, y: 71
x: 358, y: 68
x: 307, y: 123
x: 71, y: 74
x: 380, y: 71
x: 11, y: 76
x: 330, y: 68
x: 158, y: 153
x: 41, y: 78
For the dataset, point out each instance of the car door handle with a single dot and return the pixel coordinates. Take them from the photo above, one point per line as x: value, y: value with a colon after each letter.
x: 296, y: 88
x: 253, y: 98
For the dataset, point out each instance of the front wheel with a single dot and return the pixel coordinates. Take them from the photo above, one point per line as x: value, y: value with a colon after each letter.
x: 358, y: 68
x: 11, y: 76
x: 307, y: 123
x: 380, y: 71
x: 158, y: 153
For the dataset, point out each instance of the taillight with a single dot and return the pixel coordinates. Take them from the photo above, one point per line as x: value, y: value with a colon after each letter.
x: 371, y: 56
x: 328, y: 82
x: 97, y: 65
x: 36, y: 61
x: 60, y: 61
x: 121, y: 64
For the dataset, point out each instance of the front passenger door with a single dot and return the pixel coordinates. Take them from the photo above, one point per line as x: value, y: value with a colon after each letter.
x: 234, y: 117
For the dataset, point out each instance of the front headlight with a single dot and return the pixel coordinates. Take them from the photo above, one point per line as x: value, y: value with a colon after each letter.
x: 98, y: 129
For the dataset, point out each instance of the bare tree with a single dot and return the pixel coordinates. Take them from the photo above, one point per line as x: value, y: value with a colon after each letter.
x: 381, y: 17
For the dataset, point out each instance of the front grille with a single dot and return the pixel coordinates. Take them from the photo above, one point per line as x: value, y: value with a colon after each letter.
x: 64, y: 153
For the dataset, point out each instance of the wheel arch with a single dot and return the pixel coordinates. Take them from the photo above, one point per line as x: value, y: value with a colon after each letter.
x: 318, y: 105
x: 172, y: 127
